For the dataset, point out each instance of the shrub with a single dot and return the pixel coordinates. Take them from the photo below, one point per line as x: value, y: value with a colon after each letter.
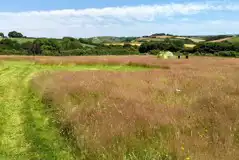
x: 15, y: 34
x: 155, y: 52
x: 166, y: 45
x: 228, y: 54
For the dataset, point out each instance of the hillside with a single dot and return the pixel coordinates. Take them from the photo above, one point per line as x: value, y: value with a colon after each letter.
x: 234, y: 39
x: 21, y: 40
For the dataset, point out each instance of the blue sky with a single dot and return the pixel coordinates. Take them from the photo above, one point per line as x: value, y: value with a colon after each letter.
x: 87, y: 18
x: 28, y: 5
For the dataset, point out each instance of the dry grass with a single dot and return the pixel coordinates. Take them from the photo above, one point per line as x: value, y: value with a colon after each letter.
x: 140, y: 60
x: 222, y: 39
x: 189, y: 45
x: 121, y: 44
x: 143, y: 115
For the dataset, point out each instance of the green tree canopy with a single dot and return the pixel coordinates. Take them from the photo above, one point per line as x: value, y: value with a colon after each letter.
x: 15, y: 34
x: 1, y: 34
x: 166, y: 45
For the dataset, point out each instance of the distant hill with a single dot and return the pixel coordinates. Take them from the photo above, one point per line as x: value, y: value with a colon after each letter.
x: 234, y: 39
x: 222, y: 39
x: 111, y: 39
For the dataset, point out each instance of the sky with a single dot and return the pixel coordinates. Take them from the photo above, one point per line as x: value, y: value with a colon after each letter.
x: 89, y: 18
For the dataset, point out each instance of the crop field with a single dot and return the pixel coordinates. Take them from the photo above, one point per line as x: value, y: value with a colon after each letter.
x: 121, y: 44
x: 119, y: 108
x: 223, y: 39
x: 234, y: 40
x: 21, y: 40
x: 197, y: 40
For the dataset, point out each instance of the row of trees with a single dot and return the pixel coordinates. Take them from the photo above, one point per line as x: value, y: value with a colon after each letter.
x: 82, y: 46
x: 203, y: 48
x: 208, y: 47
x: 166, y: 45
x: 12, y: 34
x: 225, y: 49
x: 65, y: 46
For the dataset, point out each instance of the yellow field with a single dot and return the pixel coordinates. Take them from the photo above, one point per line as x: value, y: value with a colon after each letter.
x: 121, y: 44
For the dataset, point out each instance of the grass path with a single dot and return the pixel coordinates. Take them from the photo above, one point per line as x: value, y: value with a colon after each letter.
x: 27, y: 130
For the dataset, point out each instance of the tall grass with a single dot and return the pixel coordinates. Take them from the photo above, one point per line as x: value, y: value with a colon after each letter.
x: 186, y: 112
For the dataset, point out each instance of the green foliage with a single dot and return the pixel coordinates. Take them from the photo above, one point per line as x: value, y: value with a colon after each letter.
x: 227, y: 54
x: 234, y: 40
x: 159, y: 34
x: 166, y: 45
x: 127, y: 45
x: 155, y: 52
x: 15, y: 34
x: 82, y: 46
x: 1, y: 34
x: 67, y: 46
x: 69, y: 38
x: 208, y: 47
x: 217, y: 37
x: 110, y: 39
x: 9, y: 44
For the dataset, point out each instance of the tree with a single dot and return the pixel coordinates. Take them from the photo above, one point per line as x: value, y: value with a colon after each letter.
x: 15, y: 34
x: 127, y: 45
x: 9, y: 44
x: 27, y: 46
x: 166, y: 45
x: 69, y: 38
x: 36, y: 47
x: 1, y: 34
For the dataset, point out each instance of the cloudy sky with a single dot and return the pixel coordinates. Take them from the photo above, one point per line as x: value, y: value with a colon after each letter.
x: 88, y: 18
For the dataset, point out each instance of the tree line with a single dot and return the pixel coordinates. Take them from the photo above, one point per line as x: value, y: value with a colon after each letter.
x: 63, y: 47
x: 13, y: 34
x: 226, y: 48
x: 82, y: 46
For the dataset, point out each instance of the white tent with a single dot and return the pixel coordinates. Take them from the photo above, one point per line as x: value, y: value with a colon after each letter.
x: 166, y: 55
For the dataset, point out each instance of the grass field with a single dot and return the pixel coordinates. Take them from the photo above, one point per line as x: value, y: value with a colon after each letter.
x: 197, y: 40
x: 21, y: 40
x: 234, y: 39
x: 161, y: 38
x: 186, y: 109
x: 27, y: 130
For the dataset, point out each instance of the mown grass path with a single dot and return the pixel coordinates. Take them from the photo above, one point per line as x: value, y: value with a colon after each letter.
x: 27, y: 130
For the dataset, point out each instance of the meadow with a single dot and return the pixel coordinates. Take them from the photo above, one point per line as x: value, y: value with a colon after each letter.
x: 21, y: 40
x: 119, y: 107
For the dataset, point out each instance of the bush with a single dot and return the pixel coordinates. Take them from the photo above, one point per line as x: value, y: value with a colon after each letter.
x: 228, y: 54
x: 75, y: 52
x: 208, y: 47
x: 166, y: 45
x: 15, y: 34
x: 155, y: 52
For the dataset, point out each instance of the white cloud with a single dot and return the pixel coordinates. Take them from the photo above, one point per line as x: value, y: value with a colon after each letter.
x: 134, y: 20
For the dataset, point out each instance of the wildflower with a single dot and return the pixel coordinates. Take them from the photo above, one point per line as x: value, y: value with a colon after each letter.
x: 188, y: 158
x: 182, y: 148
